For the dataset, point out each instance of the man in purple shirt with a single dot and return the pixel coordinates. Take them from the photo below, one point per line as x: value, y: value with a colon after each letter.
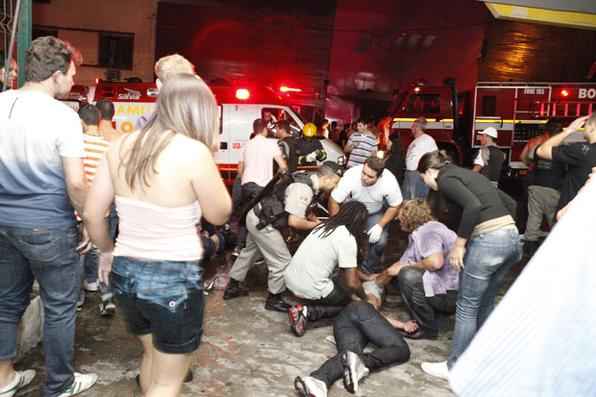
x: 426, y: 281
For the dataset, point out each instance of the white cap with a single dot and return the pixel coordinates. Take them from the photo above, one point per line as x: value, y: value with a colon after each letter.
x: 490, y: 131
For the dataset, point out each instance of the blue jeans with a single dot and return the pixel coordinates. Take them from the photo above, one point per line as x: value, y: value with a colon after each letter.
x: 50, y: 257
x: 489, y: 256
x: 372, y: 264
x: 413, y: 186
x: 161, y: 298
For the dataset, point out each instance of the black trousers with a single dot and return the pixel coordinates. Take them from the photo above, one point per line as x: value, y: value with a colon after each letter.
x: 330, y: 305
x: 357, y: 325
x: 422, y: 308
x: 248, y: 192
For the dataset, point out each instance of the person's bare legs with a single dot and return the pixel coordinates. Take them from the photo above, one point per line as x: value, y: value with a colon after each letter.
x: 146, y: 362
x: 167, y: 373
x: 6, y: 373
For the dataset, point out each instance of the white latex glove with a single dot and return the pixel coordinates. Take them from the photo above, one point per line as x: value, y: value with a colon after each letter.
x: 374, y: 233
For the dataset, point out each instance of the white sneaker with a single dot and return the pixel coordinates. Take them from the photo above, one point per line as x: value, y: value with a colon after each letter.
x: 354, y: 371
x: 21, y: 379
x: 81, y: 383
x: 310, y: 387
x: 107, y: 309
x: 439, y: 370
x: 91, y: 287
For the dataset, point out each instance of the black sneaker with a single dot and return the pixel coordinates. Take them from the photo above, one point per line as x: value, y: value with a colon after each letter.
x: 235, y: 289
x: 275, y: 302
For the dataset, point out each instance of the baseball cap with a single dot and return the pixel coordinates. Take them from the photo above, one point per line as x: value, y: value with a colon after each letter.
x: 490, y: 131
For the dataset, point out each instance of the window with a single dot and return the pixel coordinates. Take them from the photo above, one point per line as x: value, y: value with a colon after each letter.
x: 116, y: 50
x: 273, y: 115
x: 424, y: 104
x: 41, y: 32
x: 489, y: 105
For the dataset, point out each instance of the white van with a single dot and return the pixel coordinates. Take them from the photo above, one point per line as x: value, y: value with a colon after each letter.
x: 239, y: 107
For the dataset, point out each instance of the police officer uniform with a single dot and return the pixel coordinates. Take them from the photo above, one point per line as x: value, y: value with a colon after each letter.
x: 265, y: 240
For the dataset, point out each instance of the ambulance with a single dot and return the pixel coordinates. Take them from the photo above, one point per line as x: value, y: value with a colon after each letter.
x: 239, y: 106
x: 518, y: 110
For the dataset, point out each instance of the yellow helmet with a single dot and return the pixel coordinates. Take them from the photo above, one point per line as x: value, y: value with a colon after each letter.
x: 309, y: 130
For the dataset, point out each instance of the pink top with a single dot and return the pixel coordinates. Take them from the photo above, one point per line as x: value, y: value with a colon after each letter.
x: 158, y: 233
x: 258, y: 156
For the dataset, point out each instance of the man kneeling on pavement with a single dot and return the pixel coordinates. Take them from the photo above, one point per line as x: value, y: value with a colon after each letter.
x: 280, y: 207
x: 325, y: 281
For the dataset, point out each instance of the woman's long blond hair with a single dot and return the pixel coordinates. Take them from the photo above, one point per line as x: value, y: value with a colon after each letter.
x: 185, y: 106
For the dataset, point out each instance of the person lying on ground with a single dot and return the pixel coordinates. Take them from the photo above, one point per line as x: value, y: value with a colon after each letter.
x: 358, y: 324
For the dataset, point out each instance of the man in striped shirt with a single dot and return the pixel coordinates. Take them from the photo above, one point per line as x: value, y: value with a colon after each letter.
x: 95, y: 146
x: 361, y: 145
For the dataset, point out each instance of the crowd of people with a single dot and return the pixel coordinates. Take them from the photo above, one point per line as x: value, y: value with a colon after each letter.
x: 86, y: 208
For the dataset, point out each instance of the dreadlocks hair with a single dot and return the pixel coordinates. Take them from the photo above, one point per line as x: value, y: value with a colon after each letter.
x: 353, y: 215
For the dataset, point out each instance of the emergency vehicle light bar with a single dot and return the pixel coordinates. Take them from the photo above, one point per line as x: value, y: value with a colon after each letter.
x: 285, y: 89
x: 242, y: 94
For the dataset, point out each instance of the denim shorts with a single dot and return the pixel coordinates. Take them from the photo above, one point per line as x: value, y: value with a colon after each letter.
x: 161, y: 298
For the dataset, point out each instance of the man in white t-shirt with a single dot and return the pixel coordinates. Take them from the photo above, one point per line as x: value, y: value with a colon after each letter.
x: 376, y: 188
x: 255, y: 170
x: 311, y: 277
x: 41, y: 180
x: 413, y: 186
x: 256, y: 162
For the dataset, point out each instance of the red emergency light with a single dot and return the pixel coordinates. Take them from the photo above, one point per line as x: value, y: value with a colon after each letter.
x: 242, y: 94
x: 286, y: 89
x: 416, y: 90
x: 564, y: 93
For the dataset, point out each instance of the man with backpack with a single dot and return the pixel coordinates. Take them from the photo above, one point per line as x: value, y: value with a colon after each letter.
x: 283, y: 203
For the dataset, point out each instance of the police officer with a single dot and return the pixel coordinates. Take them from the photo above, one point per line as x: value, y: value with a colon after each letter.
x: 284, y: 206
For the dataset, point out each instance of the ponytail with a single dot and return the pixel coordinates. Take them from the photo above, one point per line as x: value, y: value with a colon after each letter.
x: 436, y: 160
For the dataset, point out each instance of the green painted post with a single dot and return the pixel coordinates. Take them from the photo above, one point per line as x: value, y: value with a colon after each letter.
x: 24, y: 37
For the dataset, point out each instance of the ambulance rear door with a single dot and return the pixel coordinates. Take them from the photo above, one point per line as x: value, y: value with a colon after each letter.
x: 236, y: 127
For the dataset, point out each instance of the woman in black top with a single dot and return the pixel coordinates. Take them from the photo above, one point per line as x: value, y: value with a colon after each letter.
x: 487, y: 245
x: 395, y: 161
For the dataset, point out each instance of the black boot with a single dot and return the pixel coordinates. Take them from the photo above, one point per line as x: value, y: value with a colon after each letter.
x: 276, y: 303
x: 234, y: 290
x: 530, y: 248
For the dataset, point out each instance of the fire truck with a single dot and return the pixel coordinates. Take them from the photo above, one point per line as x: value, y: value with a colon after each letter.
x: 518, y: 110
x: 239, y: 106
